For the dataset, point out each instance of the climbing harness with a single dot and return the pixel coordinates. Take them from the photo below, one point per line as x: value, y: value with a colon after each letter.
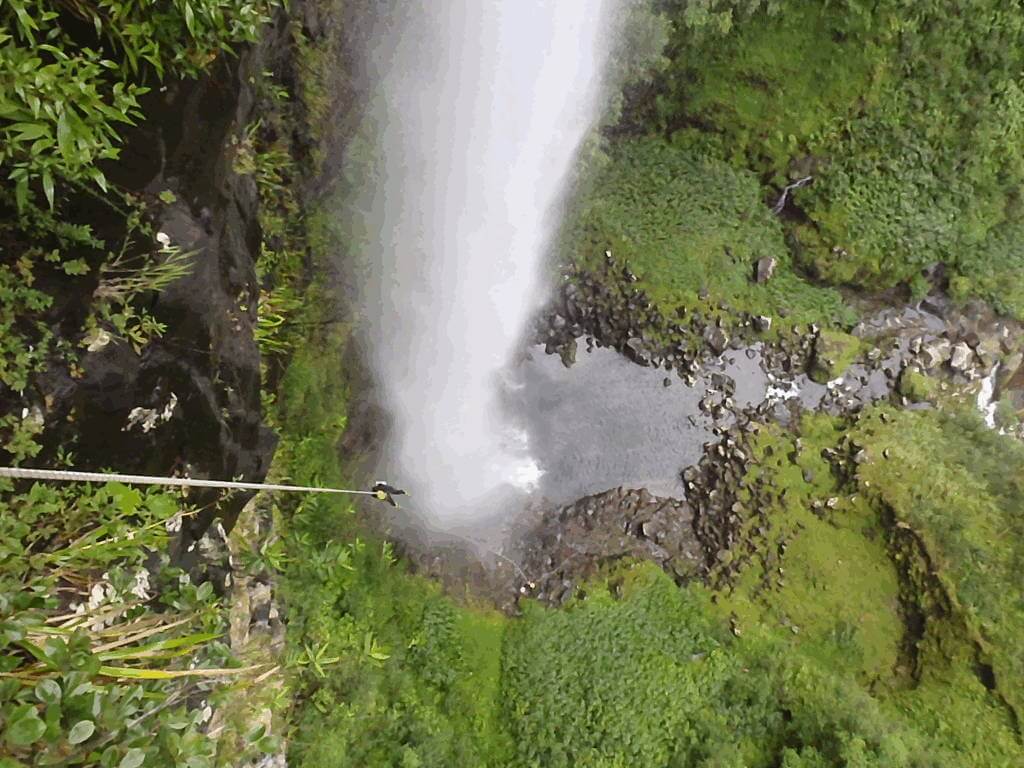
x: 68, y: 476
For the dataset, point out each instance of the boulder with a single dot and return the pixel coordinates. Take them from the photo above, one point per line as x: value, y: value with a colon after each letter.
x: 833, y: 353
x: 960, y: 357
x: 935, y: 353
x: 634, y: 350
x: 765, y: 268
x: 568, y: 353
x: 716, y: 338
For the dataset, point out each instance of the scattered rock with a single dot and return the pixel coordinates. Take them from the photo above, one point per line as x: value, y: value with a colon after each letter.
x: 765, y: 269
x: 960, y: 359
x: 635, y: 350
x: 716, y: 339
x: 935, y: 353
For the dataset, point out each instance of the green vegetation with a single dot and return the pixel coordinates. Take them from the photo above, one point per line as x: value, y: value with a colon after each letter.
x: 836, y: 575
x: 641, y: 673
x: 108, y: 655
x: 687, y: 222
x: 74, y: 74
x: 960, y: 489
x: 871, y: 617
x: 265, y: 154
x: 822, y: 670
x: 823, y: 665
x: 907, y: 115
x: 98, y: 656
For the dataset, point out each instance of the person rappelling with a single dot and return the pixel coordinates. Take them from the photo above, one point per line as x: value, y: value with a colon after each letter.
x: 386, y: 492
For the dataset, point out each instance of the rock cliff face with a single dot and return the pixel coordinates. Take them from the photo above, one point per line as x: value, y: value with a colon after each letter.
x: 190, y: 402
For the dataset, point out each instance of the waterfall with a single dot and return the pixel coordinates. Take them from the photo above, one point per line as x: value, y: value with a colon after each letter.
x: 479, y: 109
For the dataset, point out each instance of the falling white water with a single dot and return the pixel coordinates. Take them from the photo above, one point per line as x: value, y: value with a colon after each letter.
x: 986, y: 402
x: 481, y: 107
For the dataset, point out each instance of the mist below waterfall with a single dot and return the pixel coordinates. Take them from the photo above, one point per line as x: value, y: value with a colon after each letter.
x: 478, y: 111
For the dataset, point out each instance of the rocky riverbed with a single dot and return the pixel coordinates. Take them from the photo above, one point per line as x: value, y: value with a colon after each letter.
x: 639, y: 421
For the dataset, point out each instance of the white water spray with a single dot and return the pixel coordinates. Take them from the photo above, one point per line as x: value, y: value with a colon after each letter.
x: 481, y: 107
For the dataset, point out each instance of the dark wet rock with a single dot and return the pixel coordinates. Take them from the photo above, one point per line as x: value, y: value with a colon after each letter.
x: 717, y: 339
x: 636, y: 351
x: 762, y: 323
x: 190, y: 403
x: 568, y: 353
x: 569, y: 545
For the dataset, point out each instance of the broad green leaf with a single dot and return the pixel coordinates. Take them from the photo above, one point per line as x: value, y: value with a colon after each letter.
x: 127, y: 499
x: 26, y: 23
x: 81, y: 731
x: 99, y: 178
x: 64, y: 141
x: 24, y: 727
x: 48, y: 187
x: 48, y: 691
x: 133, y: 758
x: 21, y: 193
x: 30, y: 131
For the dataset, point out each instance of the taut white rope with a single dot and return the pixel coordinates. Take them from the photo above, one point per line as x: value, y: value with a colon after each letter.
x: 68, y: 476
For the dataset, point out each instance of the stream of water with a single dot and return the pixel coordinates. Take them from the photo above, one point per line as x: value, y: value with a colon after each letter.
x: 480, y: 108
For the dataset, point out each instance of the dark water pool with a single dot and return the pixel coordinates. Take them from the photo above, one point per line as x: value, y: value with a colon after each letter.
x: 607, y: 421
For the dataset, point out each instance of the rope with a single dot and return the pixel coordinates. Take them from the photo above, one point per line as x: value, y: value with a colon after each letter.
x: 66, y: 476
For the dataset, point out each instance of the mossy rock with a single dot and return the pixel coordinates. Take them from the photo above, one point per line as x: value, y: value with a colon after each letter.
x: 916, y: 386
x: 834, y: 351
x: 1007, y: 415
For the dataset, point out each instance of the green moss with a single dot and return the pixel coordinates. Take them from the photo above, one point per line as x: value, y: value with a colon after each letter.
x: 824, y: 581
x: 686, y: 223
x: 916, y: 386
x: 834, y: 352
x: 993, y: 270
x: 960, y: 488
x: 908, y: 118
x: 834, y: 584
x: 1007, y: 416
